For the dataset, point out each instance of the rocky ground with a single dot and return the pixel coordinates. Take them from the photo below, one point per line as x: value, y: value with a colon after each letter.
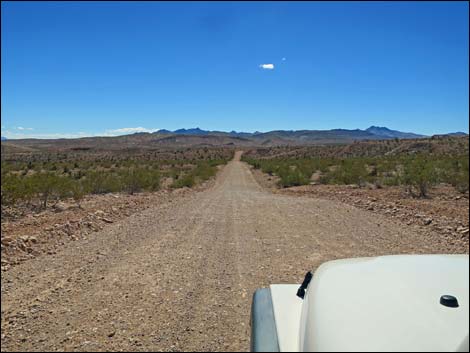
x: 179, y: 275
x: 26, y: 234
x: 443, y: 216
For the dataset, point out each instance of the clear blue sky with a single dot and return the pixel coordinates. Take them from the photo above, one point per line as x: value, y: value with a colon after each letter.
x: 90, y: 68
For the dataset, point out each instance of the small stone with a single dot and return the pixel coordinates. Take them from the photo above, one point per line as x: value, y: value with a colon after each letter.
x: 60, y: 207
x: 6, y: 240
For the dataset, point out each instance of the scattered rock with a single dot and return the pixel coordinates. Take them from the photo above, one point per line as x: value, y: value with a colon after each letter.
x: 427, y: 221
x: 7, y: 240
x: 60, y: 207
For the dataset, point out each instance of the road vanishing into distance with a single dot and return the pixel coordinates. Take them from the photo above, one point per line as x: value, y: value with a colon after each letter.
x: 180, y: 275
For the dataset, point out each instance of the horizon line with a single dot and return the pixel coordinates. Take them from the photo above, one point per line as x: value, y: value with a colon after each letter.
x: 132, y: 131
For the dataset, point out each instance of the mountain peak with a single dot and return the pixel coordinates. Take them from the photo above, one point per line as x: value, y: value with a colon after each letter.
x: 386, y: 132
x: 455, y: 134
x: 373, y: 127
x: 192, y: 131
x: 374, y: 132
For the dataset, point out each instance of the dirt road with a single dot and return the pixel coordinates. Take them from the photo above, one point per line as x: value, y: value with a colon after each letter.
x: 180, y: 275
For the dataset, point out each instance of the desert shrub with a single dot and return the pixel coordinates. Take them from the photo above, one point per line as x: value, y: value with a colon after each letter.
x: 269, y: 168
x: 99, y: 182
x: 456, y: 174
x: 205, y: 171
x: 47, y: 185
x: 78, y: 191
x: 45, y: 177
x: 19, y: 188
x: 292, y: 177
x: 153, y: 181
x: 256, y: 164
x: 12, y: 189
x: 419, y: 175
x: 138, y: 179
x: 132, y: 180
x: 349, y: 171
x: 185, y: 180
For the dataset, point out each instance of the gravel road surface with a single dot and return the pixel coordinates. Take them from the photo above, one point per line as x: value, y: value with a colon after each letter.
x: 180, y: 275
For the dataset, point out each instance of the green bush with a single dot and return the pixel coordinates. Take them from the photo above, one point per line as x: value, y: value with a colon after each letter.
x: 185, y: 180
x: 41, y: 178
x: 292, y: 177
x: 138, y: 179
x: 350, y: 171
x: 100, y: 182
x: 78, y: 191
x: 417, y: 173
x: 47, y: 185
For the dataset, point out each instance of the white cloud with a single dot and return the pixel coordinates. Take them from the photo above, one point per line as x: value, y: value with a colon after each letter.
x: 267, y: 66
x: 24, y: 128
x: 128, y: 130
x: 283, y: 59
x: 25, y: 135
x: 115, y: 132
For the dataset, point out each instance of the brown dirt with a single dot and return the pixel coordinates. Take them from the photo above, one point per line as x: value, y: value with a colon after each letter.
x: 27, y: 234
x: 179, y: 275
x: 442, y: 217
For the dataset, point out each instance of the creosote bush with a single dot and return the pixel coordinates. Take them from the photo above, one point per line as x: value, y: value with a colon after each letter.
x: 416, y: 173
x: 41, y: 179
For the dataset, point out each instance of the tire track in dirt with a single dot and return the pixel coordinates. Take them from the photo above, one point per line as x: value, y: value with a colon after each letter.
x: 180, y: 275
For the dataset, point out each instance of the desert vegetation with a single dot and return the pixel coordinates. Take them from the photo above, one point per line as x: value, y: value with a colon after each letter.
x: 34, y: 180
x: 416, y: 173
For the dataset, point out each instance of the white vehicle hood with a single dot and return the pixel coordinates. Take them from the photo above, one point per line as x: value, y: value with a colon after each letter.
x: 389, y: 303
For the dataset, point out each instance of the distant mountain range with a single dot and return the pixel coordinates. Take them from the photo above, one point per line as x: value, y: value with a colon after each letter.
x: 456, y: 134
x: 198, y: 132
x: 196, y: 137
x: 386, y: 132
x: 373, y: 132
x: 4, y: 138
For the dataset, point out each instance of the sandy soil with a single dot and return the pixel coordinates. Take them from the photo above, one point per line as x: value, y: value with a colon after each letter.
x: 180, y: 275
x: 442, y: 217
